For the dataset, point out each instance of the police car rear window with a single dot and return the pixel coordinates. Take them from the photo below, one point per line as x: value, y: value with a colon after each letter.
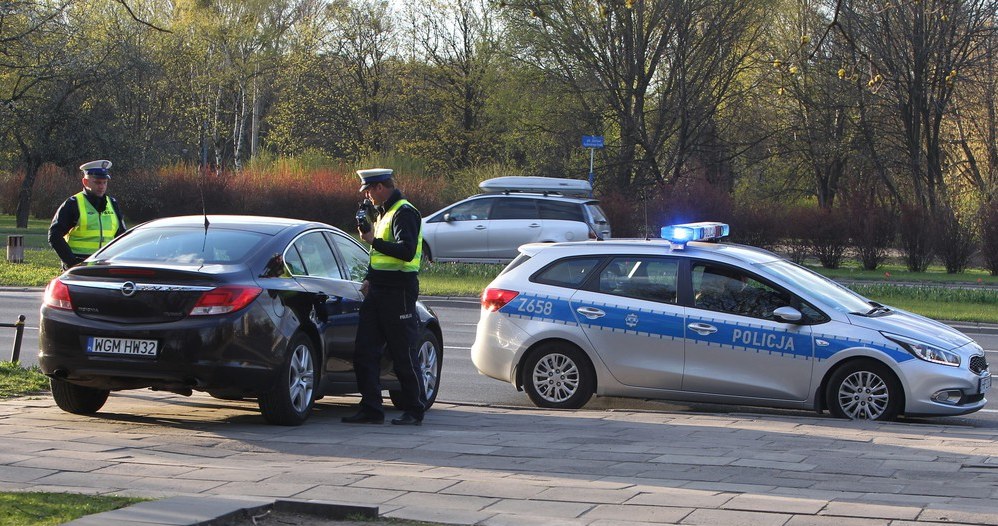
x: 569, y: 272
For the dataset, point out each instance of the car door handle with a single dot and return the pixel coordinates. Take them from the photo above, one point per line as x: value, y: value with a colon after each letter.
x: 702, y: 329
x: 480, y: 227
x: 590, y: 312
x: 534, y: 225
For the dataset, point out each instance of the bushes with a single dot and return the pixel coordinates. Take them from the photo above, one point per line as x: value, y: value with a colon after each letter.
x: 988, y: 216
x: 917, y: 233
x: 960, y: 243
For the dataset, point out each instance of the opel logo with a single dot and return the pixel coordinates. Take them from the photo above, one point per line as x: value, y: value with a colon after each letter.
x: 127, y: 288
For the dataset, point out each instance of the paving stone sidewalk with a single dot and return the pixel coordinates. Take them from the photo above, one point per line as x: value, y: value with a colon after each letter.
x: 512, y: 466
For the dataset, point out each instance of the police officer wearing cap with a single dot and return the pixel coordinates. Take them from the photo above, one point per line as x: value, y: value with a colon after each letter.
x: 388, y: 318
x: 88, y: 220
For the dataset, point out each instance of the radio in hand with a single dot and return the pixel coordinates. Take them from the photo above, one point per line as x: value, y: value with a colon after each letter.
x: 364, y: 214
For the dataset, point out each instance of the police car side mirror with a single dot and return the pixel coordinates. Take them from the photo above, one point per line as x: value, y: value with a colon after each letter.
x: 787, y: 314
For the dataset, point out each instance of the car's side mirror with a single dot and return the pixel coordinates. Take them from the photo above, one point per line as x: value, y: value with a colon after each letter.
x: 448, y: 218
x: 275, y: 267
x: 787, y: 314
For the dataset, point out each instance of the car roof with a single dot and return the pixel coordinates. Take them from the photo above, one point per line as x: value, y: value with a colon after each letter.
x: 263, y: 224
x: 712, y: 251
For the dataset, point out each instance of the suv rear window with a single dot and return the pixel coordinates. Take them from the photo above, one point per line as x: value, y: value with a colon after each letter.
x: 561, y: 211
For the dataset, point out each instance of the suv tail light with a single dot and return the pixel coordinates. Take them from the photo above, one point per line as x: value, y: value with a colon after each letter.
x: 57, y: 295
x: 225, y: 299
x: 495, y: 299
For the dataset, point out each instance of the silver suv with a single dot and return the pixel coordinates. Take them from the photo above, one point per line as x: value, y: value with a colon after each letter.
x: 490, y: 227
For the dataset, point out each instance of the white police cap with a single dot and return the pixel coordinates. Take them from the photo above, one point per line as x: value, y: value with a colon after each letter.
x: 97, y: 169
x: 373, y: 175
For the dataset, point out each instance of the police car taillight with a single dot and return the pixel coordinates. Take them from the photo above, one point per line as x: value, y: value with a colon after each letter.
x: 495, y: 299
x: 681, y: 234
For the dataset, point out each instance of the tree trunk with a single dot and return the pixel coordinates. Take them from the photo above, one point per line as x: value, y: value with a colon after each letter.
x: 24, y: 195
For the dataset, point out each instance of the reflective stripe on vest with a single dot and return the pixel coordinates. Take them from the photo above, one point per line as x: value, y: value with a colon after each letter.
x: 94, y: 229
x: 383, y: 231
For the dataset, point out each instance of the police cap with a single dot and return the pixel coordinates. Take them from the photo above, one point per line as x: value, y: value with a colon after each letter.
x: 97, y: 169
x: 373, y: 175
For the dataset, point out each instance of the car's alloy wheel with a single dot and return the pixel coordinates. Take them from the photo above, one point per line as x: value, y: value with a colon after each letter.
x: 289, y: 402
x: 864, y: 390
x: 430, y: 360
x: 77, y: 399
x: 558, y: 376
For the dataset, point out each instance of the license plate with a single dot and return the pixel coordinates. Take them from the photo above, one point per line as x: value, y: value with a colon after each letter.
x: 984, y: 385
x: 122, y: 346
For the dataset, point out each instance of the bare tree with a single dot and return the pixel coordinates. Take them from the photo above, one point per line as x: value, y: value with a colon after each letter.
x: 660, y: 69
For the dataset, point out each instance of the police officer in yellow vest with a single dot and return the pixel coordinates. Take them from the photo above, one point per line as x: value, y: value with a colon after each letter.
x: 88, y: 220
x: 388, y: 318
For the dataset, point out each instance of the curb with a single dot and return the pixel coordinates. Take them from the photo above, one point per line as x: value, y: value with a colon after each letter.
x: 216, y: 511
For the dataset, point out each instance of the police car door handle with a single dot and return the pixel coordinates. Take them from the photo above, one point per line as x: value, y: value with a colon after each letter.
x: 590, y: 312
x: 702, y: 329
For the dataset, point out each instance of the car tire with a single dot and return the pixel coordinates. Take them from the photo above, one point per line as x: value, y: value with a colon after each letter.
x: 289, y: 402
x: 77, y: 399
x: 558, y: 376
x: 431, y: 360
x: 864, y: 390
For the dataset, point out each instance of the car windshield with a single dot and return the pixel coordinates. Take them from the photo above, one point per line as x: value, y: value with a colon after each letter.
x: 183, y: 245
x: 831, y: 293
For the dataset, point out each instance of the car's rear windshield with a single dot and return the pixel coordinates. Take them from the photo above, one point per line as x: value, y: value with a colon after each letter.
x: 178, y: 245
x: 597, y: 214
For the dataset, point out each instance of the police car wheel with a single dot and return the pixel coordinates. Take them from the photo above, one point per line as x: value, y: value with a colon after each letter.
x: 558, y: 376
x: 430, y: 362
x: 290, y: 400
x: 864, y: 390
x: 77, y: 399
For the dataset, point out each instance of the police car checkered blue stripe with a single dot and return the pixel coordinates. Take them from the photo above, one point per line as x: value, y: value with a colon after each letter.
x: 638, y: 321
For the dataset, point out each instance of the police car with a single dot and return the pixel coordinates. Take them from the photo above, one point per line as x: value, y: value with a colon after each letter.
x: 688, y: 318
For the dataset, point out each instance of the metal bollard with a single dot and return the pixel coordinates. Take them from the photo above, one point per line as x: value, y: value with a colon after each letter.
x: 15, y: 355
x: 15, y: 249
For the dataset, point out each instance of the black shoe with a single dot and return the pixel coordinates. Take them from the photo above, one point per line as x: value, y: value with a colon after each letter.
x: 407, y: 420
x: 363, y: 418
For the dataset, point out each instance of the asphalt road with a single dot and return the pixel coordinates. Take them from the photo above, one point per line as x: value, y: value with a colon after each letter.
x: 461, y: 382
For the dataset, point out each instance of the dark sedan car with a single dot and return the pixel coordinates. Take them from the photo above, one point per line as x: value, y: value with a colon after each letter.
x: 236, y: 306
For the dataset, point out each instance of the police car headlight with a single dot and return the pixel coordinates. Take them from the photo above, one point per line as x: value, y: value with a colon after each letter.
x: 925, y: 351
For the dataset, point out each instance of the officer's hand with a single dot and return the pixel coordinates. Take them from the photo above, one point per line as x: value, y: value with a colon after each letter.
x: 364, y: 287
x: 368, y: 236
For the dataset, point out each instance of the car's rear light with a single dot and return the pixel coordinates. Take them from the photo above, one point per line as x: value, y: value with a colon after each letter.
x: 225, y: 299
x: 57, y: 295
x: 495, y: 299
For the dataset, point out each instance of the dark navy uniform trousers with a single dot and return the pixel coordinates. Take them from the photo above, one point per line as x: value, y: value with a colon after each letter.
x: 388, y: 321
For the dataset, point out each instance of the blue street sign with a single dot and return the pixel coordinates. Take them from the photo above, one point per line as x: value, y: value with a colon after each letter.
x: 592, y: 141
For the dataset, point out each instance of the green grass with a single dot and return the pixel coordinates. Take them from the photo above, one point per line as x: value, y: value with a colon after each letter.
x: 852, y: 270
x: 941, y: 303
x: 19, y: 381
x: 455, y: 279
x: 43, y: 509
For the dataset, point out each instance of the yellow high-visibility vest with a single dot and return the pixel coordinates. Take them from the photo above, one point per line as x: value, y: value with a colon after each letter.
x: 383, y: 231
x: 94, y: 229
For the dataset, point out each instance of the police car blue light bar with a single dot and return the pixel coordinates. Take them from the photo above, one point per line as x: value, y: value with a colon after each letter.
x: 686, y: 232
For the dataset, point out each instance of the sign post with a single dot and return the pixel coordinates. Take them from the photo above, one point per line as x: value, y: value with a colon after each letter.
x: 592, y: 142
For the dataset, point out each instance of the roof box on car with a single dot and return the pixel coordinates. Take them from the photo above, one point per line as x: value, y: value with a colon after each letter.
x: 544, y: 185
